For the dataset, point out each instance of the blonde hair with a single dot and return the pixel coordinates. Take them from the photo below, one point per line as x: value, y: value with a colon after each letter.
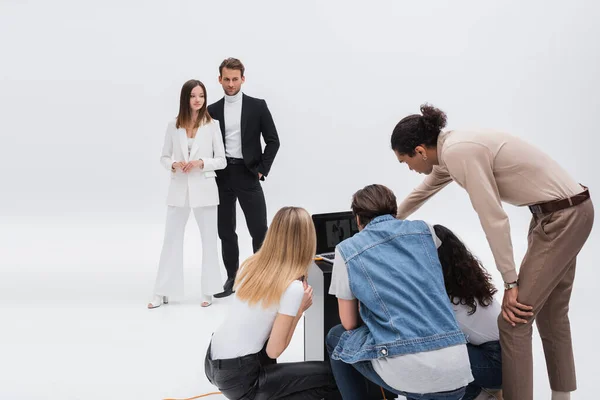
x: 285, y: 256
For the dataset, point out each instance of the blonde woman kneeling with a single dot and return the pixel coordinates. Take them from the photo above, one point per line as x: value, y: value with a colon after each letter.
x: 271, y: 296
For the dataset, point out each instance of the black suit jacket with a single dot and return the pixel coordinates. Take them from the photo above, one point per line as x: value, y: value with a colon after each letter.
x: 256, y: 119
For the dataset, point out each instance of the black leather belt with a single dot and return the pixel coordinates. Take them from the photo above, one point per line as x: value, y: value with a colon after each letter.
x: 234, y: 161
x: 557, y: 205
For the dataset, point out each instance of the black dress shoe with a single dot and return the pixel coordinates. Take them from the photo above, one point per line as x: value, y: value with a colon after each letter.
x: 223, y: 294
x: 227, y: 289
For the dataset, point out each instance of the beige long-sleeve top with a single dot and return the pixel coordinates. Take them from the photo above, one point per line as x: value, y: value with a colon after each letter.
x: 493, y: 167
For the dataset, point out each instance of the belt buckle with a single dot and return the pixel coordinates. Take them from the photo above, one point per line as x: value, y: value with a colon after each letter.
x: 536, y: 209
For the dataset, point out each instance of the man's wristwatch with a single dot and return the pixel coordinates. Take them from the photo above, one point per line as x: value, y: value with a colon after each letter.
x: 508, y: 286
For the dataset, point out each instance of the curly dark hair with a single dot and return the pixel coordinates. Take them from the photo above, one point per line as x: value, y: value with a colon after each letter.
x: 467, y: 281
x: 418, y: 130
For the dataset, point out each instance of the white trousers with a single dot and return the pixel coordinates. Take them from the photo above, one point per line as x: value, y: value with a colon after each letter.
x: 169, y: 281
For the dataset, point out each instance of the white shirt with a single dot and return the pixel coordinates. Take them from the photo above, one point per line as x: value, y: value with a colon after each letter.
x: 232, y: 114
x: 482, y: 325
x: 426, y: 372
x: 246, y: 328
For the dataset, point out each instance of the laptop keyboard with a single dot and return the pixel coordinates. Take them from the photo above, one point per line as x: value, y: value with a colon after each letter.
x: 330, y: 256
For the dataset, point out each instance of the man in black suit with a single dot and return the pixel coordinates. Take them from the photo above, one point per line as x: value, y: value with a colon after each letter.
x: 243, y: 119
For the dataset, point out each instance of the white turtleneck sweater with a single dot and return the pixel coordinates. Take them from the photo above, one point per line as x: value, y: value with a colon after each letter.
x: 233, y: 129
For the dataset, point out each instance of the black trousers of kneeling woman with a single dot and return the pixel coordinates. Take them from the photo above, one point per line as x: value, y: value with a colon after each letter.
x: 258, y: 377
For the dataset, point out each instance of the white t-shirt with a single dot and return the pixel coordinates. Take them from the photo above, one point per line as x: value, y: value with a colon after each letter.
x: 426, y: 372
x: 246, y: 328
x: 482, y: 325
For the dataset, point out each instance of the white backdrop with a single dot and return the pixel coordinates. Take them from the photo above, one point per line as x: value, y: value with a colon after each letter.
x: 87, y: 88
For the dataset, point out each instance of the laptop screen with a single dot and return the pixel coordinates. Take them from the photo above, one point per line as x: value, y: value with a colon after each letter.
x: 332, y: 228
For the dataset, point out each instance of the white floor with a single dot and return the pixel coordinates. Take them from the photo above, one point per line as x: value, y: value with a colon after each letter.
x: 74, y: 323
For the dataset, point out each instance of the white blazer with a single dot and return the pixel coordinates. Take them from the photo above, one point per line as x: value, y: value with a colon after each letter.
x: 199, y: 184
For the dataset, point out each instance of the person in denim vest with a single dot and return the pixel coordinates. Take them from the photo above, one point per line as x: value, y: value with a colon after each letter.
x: 476, y: 308
x: 398, y: 329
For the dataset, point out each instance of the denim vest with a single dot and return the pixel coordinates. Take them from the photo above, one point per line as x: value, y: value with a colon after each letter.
x: 395, y: 273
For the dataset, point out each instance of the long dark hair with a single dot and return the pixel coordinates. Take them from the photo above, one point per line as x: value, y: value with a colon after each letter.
x: 418, y: 130
x: 185, y: 112
x: 467, y: 281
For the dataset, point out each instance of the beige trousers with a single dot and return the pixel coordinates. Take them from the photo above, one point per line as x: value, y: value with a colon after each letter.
x: 545, y: 282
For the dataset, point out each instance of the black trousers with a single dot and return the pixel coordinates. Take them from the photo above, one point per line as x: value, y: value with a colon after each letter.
x: 236, y: 182
x: 258, y: 377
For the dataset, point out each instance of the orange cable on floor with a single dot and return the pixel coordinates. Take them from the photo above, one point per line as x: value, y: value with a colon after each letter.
x: 382, y: 393
x: 213, y: 393
x: 197, y: 397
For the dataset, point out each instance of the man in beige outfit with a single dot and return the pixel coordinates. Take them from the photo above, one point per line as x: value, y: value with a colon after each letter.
x: 494, y: 167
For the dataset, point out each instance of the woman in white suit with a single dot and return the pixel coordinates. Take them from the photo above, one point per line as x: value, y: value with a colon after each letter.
x: 193, y: 150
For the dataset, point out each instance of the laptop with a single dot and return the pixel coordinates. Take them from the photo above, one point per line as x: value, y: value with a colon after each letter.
x: 331, y: 229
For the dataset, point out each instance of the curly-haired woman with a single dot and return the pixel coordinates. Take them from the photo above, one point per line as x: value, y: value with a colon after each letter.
x: 471, y: 291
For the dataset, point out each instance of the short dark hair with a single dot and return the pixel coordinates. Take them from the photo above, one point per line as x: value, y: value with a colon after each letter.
x: 418, y: 130
x: 373, y: 201
x: 231, y: 63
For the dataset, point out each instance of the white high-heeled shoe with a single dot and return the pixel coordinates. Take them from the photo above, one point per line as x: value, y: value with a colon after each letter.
x: 157, y: 301
x: 206, y: 301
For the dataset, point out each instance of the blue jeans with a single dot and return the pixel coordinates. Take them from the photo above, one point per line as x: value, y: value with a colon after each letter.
x: 352, y: 385
x: 486, y: 367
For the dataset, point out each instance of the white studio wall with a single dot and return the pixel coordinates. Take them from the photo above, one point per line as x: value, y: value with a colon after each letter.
x: 87, y: 89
